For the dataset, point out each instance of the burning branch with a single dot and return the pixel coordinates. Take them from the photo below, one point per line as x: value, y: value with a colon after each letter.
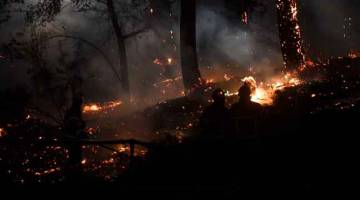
x: 94, y: 108
x: 290, y: 34
x: 107, y: 59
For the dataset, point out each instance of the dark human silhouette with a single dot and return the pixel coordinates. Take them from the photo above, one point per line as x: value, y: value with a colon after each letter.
x: 215, y: 118
x: 244, y: 114
x: 74, y: 131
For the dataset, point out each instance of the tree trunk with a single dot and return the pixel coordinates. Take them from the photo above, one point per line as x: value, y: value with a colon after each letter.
x: 121, y: 46
x: 189, y: 63
x: 290, y: 34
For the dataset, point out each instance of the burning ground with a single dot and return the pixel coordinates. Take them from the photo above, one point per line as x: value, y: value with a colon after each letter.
x: 308, y: 105
x: 175, y: 121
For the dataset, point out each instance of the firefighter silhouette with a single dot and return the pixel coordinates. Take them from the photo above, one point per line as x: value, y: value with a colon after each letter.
x: 215, y: 118
x: 245, y: 113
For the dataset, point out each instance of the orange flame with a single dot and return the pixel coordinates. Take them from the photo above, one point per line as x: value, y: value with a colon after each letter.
x: 264, y: 94
x: 93, y: 107
x: 354, y: 54
x: 2, y: 132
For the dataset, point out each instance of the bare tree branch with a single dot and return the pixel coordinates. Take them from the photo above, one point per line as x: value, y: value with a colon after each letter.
x: 107, y: 59
x: 135, y: 33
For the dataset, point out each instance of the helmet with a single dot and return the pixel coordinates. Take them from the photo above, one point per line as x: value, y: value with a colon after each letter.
x: 245, y: 91
x: 218, y: 95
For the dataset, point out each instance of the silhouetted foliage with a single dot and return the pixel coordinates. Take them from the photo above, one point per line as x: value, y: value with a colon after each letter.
x: 125, y: 18
x: 43, y: 11
x: 6, y: 9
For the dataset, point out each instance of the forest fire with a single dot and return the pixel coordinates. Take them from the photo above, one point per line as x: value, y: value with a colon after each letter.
x: 264, y: 93
x: 95, y: 107
x: 169, y: 89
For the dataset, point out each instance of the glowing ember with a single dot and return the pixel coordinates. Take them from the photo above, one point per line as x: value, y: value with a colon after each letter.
x: 310, y: 63
x: 138, y: 150
x: 47, y: 172
x: 354, y: 54
x: 163, y: 62
x: 2, y: 132
x: 93, y: 108
x: 245, y: 18
x: 179, y: 137
x: 157, y: 61
x: 91, y: 131
x: 110, y: 161
x: 167, y: 82
x: 123, y: 148
x: 169, y: 61
x: 83, y: 162
x: 209, y: 81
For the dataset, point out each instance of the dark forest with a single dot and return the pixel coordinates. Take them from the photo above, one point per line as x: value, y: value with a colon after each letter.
x: 182, y: 96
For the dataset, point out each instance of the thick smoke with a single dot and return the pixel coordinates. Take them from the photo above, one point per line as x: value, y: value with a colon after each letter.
x: 230, y: 43
x: 225, y: 46
x: 330, y: 28
x: 222, y: 44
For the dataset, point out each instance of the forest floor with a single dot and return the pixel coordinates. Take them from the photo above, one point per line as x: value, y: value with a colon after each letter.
x: 305, y: 142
